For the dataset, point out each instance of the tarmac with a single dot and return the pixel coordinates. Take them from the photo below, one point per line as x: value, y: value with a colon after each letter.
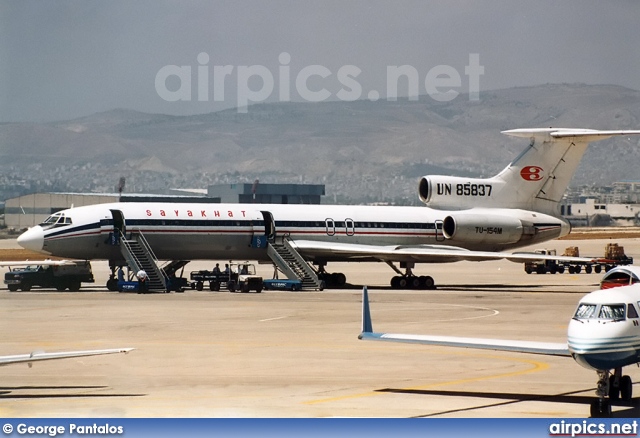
x: 297, y: 354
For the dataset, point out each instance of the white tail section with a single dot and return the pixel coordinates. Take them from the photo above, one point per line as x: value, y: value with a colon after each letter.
x: 536, y: 180
x: 539, y: 176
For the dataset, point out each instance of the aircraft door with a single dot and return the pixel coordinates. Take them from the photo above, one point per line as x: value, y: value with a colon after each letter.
x: 269, y: 226
x: 119, y: 225
x: 439, y: 234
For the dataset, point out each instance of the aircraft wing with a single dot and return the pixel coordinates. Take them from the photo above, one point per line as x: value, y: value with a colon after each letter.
x: 39, y: 356
x: 35, y: 263
x: 545, y: 348
x: 417, y: 253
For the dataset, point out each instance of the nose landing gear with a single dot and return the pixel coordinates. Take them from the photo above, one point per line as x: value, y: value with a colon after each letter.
x: 610, y: 387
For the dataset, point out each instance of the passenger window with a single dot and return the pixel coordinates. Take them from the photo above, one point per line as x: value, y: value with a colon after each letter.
x: 631, y: 311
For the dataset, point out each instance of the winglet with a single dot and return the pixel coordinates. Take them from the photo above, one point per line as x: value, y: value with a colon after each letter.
x: 367, y: 327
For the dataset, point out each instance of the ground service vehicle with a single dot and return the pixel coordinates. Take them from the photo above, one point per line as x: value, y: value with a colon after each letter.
x: 67, y: 276
x: 277, y: 284
x: 613, y: 256
x: 241, y: 277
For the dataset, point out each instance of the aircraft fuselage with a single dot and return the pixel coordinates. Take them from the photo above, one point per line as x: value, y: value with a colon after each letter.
x: 177, y: 231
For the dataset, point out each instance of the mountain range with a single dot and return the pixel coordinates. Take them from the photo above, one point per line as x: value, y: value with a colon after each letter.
x: 363, y: 151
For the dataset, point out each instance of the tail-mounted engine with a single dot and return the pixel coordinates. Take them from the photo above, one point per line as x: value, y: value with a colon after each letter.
x: 480, y: 228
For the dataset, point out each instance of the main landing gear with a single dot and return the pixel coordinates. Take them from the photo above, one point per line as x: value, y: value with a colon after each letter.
x: 331, y: 280
x: 611, y: 387
x: 407, y: 280
x: 112, y: 282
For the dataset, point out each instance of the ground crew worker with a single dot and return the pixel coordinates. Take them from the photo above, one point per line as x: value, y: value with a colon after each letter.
x: 143, y: 282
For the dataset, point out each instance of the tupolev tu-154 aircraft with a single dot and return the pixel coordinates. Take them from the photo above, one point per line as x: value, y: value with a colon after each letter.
x: 464, y: 219
x: 603, y: 335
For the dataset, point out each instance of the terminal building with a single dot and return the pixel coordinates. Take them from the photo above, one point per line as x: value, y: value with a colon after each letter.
x: 29, y: 210
x: 592, y: 213
x: 260, y: 193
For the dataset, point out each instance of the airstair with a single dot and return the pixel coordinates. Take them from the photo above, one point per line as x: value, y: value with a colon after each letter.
x: 139, y: 256
x: 291, y: 263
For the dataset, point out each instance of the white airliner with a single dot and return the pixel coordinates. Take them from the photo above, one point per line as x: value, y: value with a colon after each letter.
x: 465, y: 219
x: 603, y: 335
x: 38, y: 356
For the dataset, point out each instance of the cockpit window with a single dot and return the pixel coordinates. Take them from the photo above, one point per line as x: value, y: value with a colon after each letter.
x: 51, y: 220
x: 631, y: 311
x: 56, y: 220
x: 612, y: 311
x: 585, y: 311
x: 608, y: 312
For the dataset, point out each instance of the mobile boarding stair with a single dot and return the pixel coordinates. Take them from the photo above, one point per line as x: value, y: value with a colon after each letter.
x: 292, y: 264
x: 139, y: 256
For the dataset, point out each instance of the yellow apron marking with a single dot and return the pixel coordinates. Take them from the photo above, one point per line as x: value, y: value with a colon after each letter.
x: 536, y: 367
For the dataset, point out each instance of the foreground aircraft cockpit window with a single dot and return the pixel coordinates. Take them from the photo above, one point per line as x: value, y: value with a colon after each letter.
x: 585, y: 311
x: 56, y: 220
x: 608, y: 312
x: 612, y: 311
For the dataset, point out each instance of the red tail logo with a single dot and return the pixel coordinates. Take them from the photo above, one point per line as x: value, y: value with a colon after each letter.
x: 531, y: 173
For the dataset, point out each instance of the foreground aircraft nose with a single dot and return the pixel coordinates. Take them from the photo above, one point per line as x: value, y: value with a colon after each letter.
x: 32, y: 239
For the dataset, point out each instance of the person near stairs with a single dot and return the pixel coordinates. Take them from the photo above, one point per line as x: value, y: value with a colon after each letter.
x: 143, y: 282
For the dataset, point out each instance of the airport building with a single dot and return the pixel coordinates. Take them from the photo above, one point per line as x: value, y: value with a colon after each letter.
x: 260, y: 193
x: 592, y: 213
x: 29, y: 210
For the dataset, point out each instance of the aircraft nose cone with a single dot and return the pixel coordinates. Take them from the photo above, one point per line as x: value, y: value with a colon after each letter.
x: 32, y: 239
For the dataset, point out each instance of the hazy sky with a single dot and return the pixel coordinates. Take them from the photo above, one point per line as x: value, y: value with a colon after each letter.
x: 66, y: 59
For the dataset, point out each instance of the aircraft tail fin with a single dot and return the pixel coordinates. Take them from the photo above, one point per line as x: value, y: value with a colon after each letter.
x: 536, y: 180
x: 539, y: 176
x: 367, y: 326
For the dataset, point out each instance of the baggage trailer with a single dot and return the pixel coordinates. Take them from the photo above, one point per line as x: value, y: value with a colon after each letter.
x: 613, y: 256
x: 241, y: 277
x: 199, y: 278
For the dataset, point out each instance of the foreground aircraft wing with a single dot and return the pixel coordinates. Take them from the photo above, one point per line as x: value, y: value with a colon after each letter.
x: 39, y: 356
x: 417, y: 253
x: 545, y: 348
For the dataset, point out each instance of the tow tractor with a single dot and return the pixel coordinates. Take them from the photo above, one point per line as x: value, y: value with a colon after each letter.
x: 241, y: 277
